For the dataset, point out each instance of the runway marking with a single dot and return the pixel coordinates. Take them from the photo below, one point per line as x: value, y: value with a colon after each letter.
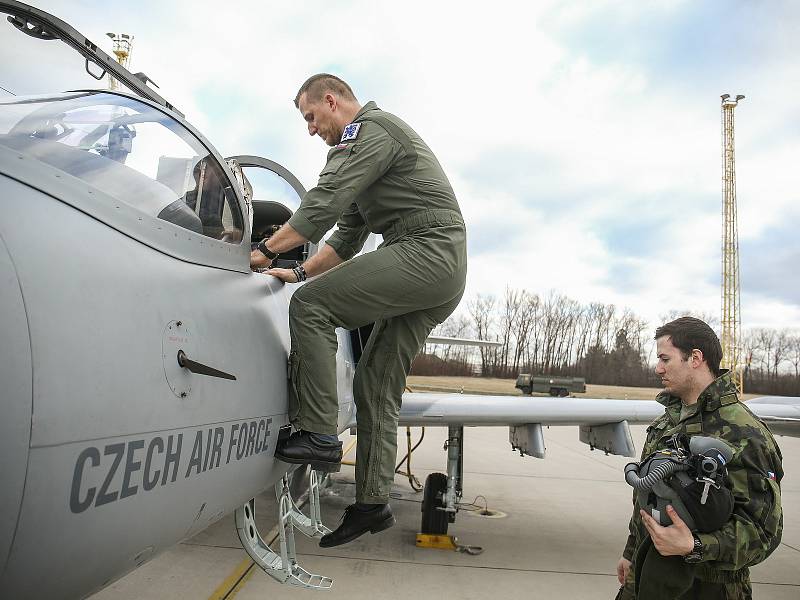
x: 234, y: 582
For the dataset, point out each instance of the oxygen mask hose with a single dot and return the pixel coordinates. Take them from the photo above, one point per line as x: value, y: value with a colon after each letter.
x: 657, y: 473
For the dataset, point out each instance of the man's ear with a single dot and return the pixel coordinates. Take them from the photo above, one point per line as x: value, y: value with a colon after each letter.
x: 330, y: 101
x: 696, y: 358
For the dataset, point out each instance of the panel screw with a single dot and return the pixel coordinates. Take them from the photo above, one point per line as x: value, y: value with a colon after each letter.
x: 178, y: 324
x: 183, y: 394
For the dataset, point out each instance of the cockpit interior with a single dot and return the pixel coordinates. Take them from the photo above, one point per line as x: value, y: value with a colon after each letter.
x: 130, y: 151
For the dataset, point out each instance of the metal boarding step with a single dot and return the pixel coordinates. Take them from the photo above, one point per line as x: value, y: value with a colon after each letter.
x: 283, y: 566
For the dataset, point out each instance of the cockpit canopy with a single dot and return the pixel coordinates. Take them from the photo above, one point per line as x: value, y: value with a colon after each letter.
x: 129, y: 150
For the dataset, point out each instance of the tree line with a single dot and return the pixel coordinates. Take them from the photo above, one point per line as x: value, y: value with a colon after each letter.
x: 554, y: 334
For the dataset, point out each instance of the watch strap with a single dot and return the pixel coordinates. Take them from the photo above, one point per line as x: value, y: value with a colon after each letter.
x: 262, y: 247
x: 696, y: 554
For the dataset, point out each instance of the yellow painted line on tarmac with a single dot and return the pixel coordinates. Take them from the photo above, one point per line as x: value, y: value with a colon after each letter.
x: 234, y: 582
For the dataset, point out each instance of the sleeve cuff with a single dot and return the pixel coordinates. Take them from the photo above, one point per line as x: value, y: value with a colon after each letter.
x: 627, y: 554
x: 305, y: 227
x: 710, y: 546
x: 344, y: 250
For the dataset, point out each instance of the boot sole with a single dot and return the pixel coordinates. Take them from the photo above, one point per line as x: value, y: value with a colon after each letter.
x: 377, y: 528
x: 328, y: 467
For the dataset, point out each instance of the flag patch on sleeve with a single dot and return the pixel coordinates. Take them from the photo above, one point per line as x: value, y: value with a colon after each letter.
x: 350, y: 132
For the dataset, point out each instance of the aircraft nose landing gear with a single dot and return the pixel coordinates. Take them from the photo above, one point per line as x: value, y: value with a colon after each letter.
x: 283, y: 566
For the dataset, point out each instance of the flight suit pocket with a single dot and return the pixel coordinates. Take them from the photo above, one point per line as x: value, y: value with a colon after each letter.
x: 336, y: 159
x: 773, y: 512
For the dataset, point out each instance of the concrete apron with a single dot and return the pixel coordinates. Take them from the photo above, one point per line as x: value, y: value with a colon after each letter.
x: 564, y: 531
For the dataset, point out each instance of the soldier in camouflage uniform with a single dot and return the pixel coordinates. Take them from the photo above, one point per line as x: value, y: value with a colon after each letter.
x: 380, y: 177
x: 702, y: 400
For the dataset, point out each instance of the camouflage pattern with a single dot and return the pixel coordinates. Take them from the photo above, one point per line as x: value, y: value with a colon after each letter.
x: 754, y: 530
x: 706, y: 590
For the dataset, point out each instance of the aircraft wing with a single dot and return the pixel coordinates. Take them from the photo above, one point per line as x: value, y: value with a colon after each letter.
x: 781, y: 413
x: 603, y: 422
x: 452, y: 408
x: 438, y: 339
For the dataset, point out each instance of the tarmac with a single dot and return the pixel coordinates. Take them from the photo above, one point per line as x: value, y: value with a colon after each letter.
x: 559, y: 532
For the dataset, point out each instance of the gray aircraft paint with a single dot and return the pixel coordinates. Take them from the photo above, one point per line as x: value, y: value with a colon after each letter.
x: 16, y: 378
x: 94, y: 406
x: 101, y: 395
x: 102, y: 282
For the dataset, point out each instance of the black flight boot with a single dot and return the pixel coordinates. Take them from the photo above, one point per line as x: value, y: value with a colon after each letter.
x: 304, y: 447
x: 357, y: 520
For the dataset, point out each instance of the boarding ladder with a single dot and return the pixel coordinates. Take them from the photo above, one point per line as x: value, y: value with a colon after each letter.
x: 282, y: 565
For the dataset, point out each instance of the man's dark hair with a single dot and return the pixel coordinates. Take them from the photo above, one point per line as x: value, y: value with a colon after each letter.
x: 316, y: 86
x: 689, y: 333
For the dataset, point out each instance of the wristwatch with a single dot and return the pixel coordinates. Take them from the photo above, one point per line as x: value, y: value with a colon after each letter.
x: 262, y: 247
x: 696, y: 555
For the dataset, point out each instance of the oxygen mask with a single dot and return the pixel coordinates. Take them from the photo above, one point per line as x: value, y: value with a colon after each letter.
x: 690, y: 474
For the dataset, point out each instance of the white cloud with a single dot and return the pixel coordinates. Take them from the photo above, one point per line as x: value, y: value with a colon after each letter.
x: 591, y: 135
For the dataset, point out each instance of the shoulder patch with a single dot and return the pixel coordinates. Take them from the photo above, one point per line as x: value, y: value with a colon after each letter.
x: 350, y: 132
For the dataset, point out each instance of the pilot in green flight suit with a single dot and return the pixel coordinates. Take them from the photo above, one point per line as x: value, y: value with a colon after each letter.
x: 380, y: 177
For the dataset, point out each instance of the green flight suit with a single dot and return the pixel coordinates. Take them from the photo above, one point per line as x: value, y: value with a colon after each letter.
x: 755, y: 472
x: 381, y: 178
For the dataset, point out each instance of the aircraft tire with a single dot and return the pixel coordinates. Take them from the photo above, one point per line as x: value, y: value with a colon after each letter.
x: 434, y: 521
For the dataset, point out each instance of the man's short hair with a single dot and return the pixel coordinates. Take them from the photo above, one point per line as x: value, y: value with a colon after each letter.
x: 316, y: 86
x: 688, y: 333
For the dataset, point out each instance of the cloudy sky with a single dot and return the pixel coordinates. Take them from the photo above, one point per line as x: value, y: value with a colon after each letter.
x: 582, y: 138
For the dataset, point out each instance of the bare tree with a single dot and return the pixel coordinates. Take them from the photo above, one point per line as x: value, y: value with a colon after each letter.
x: 709, y: 318
x: 481, y: 309
x: 779, y: 351
x: 794, y: 349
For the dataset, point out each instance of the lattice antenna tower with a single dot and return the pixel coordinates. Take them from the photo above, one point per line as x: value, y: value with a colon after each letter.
x: 731, y: 316
x: 123, y: 46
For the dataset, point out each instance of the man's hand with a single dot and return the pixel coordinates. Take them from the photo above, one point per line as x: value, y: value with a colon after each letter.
x: 258, y: 260
x: 675, y: 540
x: 623, y: 567
x: 285, y: 275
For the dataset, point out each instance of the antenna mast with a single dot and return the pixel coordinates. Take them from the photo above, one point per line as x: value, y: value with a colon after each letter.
x: 731, y: 317
x: 123, y: 45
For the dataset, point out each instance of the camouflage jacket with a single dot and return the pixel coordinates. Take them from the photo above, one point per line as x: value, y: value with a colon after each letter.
x: 755, y: 472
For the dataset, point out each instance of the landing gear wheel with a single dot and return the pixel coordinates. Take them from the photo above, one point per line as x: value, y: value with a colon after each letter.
x: 434, y: 521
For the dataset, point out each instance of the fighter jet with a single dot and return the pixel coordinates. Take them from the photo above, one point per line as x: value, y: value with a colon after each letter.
x: 144, y: 365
